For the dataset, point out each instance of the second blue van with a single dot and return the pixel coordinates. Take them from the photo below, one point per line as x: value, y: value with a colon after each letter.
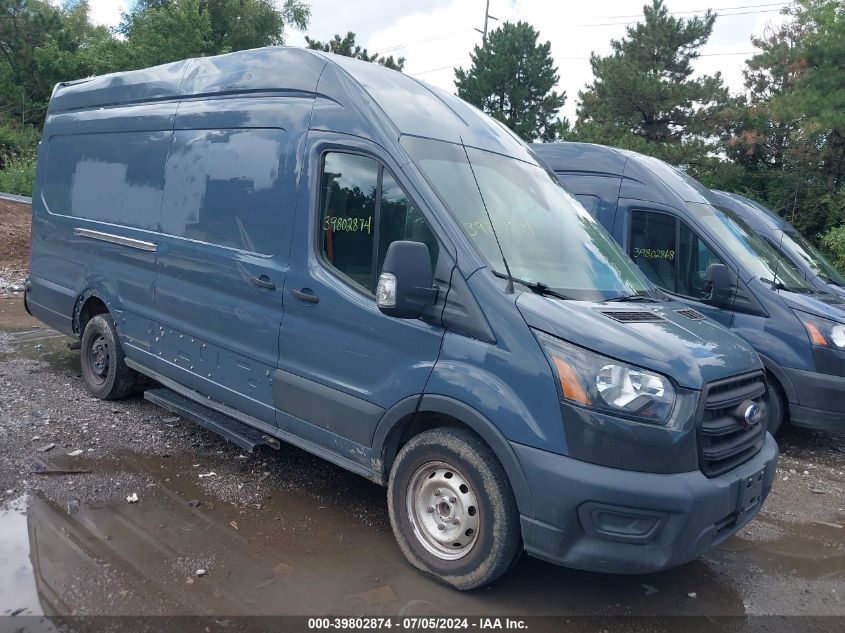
x: 314, y: 249
x: 707, y: 256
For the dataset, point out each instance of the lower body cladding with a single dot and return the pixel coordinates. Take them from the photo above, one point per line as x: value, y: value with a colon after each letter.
x: 821, y: 400
x: 605, y: 519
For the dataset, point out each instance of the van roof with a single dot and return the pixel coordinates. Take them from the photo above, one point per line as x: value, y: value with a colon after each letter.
x: 645, y: 175
x: 411, y: 106
x: 751, y: 209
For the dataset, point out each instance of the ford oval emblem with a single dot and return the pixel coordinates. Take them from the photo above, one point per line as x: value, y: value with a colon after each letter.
x: 753, y: 414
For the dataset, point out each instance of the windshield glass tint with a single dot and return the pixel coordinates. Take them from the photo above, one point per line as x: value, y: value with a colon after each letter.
x: 545, y: 233
x: 739, y: 239
x: 800, y: 245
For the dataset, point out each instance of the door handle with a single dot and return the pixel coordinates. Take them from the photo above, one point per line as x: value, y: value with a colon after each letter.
x: 263, y: 282
x: 307, y: 297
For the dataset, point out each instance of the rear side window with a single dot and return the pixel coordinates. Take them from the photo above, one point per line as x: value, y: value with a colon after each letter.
x: 116, y: 178
x: 225, y: 187
x: 363, y: 210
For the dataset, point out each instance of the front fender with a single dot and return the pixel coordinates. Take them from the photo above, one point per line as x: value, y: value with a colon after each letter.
x: 384, y: 439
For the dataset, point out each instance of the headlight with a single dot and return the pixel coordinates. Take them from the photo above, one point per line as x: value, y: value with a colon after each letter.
x: 822, y: 332
x: 598, y: 382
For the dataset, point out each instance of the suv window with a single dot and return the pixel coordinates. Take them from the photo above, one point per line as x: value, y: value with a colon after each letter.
x: 363, y: 210
x: 670, y: 253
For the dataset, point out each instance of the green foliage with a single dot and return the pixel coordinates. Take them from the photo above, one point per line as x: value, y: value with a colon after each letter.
x: 834, y: 243
x: 18, y: 145
x: 346, y: 46
x: 512, y: 78
x: 645, y: 87
x: 160, y: 31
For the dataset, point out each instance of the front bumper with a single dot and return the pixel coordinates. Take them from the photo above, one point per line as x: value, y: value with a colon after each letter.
x: 821, y: 400
x: 605, y: 519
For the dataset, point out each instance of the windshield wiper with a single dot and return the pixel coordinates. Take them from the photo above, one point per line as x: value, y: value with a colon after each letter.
x: 779, y: 285
x: 634, y: 297
x: 536, y: 287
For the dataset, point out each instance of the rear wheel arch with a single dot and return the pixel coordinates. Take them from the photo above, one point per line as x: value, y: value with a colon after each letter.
x: 89, y: 304
x: 417, y: 414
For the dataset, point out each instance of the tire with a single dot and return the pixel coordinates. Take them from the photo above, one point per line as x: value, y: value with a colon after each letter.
x: 104, y: 370
x: 777, y: 411
x: 448, y: 477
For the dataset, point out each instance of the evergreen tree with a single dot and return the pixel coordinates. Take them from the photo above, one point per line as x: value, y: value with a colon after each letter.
x: 643, y: 94
x: 512, y: 78
x: 346, y: 46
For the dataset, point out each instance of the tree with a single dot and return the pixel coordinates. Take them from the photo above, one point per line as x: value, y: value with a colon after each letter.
x: 159, y: 31
x: 347, y: 47
x: 643, y: 94
x: 512, y: 78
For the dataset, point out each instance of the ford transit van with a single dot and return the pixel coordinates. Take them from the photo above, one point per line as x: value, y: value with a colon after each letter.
x: 318, y: 250
x: 710, y: 258
x: 785, y: 238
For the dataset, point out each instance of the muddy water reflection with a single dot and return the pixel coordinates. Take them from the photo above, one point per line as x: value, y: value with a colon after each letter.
x: 18, y: 594
x: 300, y: 555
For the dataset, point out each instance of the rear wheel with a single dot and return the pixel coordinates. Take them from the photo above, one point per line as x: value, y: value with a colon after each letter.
x: 777, y: 410
x: 104, y: 371
x: 452, y: 508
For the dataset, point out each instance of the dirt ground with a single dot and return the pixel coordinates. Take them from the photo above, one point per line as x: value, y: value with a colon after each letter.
x: 14, y: 245
x: 219, y: 532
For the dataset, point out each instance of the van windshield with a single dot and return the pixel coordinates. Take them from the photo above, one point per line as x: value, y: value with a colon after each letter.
x: 800, y: 245
x: 753, y: 252
x: 546, y: 235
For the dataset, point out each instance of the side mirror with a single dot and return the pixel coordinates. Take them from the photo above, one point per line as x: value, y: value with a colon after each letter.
x: 405, y: 286
x: 718, y: 288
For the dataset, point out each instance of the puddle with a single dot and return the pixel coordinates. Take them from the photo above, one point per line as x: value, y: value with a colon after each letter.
x: 13, y: 316
x: 811, y: 551
x: 296, y: 554
x: 18, y: 593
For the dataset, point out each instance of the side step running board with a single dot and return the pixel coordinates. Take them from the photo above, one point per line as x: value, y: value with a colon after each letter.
x: 229, y: 428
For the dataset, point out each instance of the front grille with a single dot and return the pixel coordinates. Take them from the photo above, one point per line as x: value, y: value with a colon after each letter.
x: 633, y: 316
x: 726, y: 441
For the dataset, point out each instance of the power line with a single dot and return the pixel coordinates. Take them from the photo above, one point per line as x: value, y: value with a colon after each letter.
x: 721, y: 15
x: 396, y: 47
x: 581, y: 58
x: 714, y: 9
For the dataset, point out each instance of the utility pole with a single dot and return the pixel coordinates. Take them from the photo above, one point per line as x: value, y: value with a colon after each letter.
x: 487, y: 17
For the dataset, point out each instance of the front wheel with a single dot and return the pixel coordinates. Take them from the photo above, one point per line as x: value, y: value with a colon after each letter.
x: 452, y: 508
x: 104, y: 371
x: 777, y: 409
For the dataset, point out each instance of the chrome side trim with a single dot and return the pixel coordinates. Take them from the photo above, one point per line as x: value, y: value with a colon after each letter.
x: 116, y: 239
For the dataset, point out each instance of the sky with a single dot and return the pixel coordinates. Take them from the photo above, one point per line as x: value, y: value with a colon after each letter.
x: 435, y: 36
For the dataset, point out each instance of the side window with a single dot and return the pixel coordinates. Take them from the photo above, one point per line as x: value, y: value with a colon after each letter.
x: 652, y: 247
x: 694, y: 258
x: 399, y: 219
x: 348, y: 209
x: 363, y: 210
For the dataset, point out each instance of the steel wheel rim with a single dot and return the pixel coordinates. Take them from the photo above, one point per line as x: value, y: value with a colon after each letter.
x: 99, y: 358
x: 443, y: 510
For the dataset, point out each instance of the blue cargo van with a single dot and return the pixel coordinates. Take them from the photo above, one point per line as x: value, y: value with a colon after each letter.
x: 785, y: 239
x: 315, y: 249
x: 707, y: 256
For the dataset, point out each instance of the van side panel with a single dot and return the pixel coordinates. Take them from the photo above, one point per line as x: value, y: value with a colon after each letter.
x: 97, y: 212
x: 223, y: 255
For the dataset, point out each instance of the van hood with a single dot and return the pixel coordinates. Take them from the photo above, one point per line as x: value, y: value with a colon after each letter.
x: 828, y: 306
x: 692, y: 351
